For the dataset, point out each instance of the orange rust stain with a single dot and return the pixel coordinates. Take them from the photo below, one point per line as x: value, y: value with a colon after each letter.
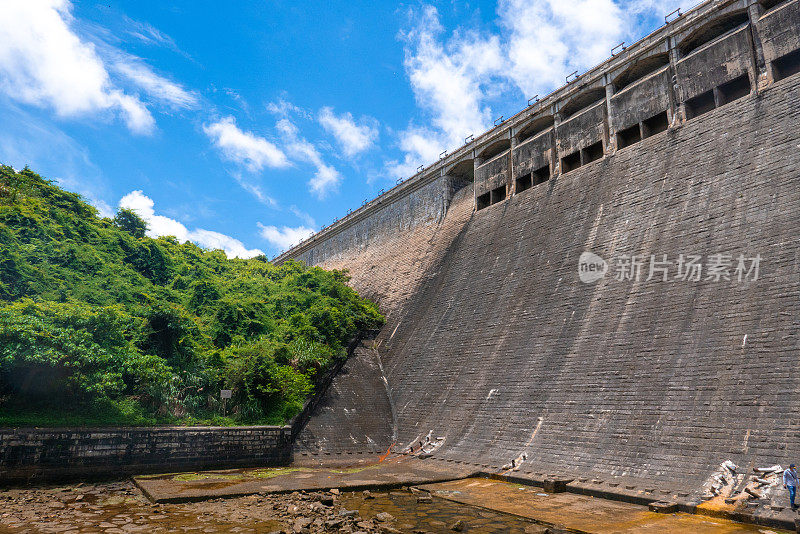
x: 388, y: 452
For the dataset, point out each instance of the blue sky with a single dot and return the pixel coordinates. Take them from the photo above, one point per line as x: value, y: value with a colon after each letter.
x: 248, y: 125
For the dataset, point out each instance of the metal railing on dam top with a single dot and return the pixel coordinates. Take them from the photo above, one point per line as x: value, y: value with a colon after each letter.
x: 682, y: 35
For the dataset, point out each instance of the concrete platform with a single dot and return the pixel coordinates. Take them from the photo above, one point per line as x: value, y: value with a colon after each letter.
x: 589, y: 503
x: 581, y: 513
x: 392, y: 472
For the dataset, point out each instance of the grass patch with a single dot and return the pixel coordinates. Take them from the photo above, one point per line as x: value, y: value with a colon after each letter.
x: 190, y: 477
x: 275, y: 472
x: 353, y: 470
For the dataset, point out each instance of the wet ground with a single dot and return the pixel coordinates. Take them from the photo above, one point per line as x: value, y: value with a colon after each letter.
x: 579, y: 512
x: 470, y: 505
x: 438, y: 515
x: 116, y: 508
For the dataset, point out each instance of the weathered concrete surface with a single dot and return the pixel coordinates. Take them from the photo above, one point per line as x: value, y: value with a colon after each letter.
x: 393, y: 472
x: 392, y: 271
x: 579, y: 513
x: 503, y: 350
x: 495, y: 351
x: 37, y: 454
x: 355, y: 416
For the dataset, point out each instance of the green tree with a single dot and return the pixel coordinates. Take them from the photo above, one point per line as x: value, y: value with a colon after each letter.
x: 100, y: 323
x: 129, y: 221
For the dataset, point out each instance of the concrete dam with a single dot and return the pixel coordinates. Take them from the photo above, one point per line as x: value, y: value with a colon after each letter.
x: 603, y: 288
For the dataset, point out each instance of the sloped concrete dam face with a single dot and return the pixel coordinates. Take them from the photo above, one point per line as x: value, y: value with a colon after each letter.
x: 506, y: 351
x: 502, y: 352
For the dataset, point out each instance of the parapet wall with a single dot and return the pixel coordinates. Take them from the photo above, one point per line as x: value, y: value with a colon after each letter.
x: 32, y: 454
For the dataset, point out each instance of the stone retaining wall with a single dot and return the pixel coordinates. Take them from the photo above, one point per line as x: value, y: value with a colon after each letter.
x: 29, y: 454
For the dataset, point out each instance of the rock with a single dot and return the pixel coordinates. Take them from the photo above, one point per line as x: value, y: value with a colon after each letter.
x: 348, y: 513
x: 317, y: 507
x: 364, y: 525
x: 664, y: 507
x: 535, y: 529
x: 333, y: 523
x: 458, y: 526
x: 301, y: 523
x: 368, y: 495
x: 335, y: 491
x: 754, y: 494
x: 327, y: 500
x: 384, y: 517
x: 425, y: 498
x: 386, y: 529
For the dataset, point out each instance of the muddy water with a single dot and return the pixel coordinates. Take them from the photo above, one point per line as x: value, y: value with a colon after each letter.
x: 438, y: 516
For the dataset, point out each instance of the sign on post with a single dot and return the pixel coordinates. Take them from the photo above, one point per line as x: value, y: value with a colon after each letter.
x: 225, y: 394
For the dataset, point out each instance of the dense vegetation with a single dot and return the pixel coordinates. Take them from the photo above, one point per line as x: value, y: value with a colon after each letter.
x: 100, y: 324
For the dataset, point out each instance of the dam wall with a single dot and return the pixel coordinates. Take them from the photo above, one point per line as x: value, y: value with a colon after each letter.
x: 672, y: 348
x: 505, y: 351
x: 706, y: 58
x: 418, y: 203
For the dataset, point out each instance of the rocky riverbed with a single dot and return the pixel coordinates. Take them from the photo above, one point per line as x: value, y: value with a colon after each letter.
x: 119, y: 507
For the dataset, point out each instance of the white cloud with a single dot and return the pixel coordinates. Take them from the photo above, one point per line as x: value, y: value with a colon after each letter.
x: 326, y: 178
x: 303, y: 216
x: 256, y: 191
x: 151, y: 35
x: 457, y: 76
x: 451, y: 79
x: 245, y: 148
x: 324, y: 181
x: 285, y: 237
x: 44, y: 63
x: 156, y: 86
x: 103, y: 209
x: 420, y: 146
x: 159, y: 225
x: 353, y: 137
x: 551, y: 38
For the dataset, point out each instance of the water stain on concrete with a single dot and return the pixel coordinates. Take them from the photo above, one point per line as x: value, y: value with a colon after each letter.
x: 581, y: 513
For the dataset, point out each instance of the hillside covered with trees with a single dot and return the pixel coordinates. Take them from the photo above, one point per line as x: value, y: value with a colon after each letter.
x: 100, y: 324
